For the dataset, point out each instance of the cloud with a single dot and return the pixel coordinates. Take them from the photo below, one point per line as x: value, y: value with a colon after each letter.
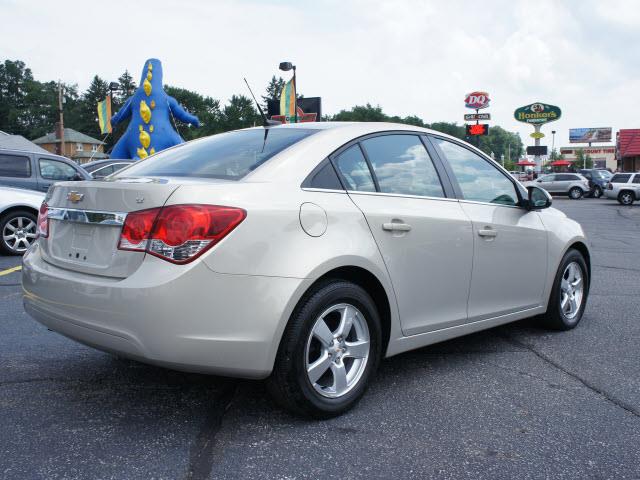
x: 411, y: 57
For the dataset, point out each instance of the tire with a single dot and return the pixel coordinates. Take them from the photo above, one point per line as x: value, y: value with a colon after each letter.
x: 626, y: 197
x: 17, y: 232
x: 330, y: 394
x: 597, y: 192
x: 575, y: 193
x: 557, y: 317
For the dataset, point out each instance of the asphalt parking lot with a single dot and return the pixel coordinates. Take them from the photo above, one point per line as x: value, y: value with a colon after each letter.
x: 512, y: 402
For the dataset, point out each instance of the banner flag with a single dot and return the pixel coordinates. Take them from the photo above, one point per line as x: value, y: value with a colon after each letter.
x: 288, y: 101
x: 104, y: 115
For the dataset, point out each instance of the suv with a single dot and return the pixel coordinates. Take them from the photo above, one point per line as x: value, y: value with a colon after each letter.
x: 37, y: 171
x: 624, y: 187
x: 571, y: 184
x: 598, y: 179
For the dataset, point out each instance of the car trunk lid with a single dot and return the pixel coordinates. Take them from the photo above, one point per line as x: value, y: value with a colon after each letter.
x: 86, y: 218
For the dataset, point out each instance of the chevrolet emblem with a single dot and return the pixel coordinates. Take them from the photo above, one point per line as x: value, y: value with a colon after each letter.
x: 75, y: 197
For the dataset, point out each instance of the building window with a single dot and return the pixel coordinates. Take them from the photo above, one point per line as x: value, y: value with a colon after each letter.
x: 94, y: 148
x: 79, y: 147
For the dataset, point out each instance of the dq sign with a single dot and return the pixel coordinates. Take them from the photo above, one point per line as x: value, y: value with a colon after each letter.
x: 477, y: 100
x: 537, y: 113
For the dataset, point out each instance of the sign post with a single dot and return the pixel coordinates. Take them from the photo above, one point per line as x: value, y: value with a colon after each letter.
x: 477, y: 101
x: 537, y: 114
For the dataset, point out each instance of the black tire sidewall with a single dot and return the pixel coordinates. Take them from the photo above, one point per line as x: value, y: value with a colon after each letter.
x: 331, y: 293
x: 4, y: 248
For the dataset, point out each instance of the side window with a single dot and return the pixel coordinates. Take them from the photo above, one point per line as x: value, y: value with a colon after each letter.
x: 15, y: 166
x: 563, y: 177
x: 55, y: 170
x: 323, y: 176
x: 402, y: 165
x: 636, y: 179
x: 479, y: 180
x: 354, y: 170
x: 103, y: 172
x: 620, y: 178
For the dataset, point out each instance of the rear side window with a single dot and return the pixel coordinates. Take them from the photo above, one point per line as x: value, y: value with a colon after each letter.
x: 55, y: 170
x: 620, y: 178
x: 15, y: 166
x: 636, y: 179
x: 565, y: 177
x: 354, y: 170
x: 402, y: 165
x: 324, y: 176
x: 228, y: 156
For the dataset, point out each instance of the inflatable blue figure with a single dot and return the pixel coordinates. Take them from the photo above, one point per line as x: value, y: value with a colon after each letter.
x: 150, y: 129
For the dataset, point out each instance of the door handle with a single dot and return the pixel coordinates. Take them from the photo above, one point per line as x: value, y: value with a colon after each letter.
x: 396, y: 227
x: 487, y: 232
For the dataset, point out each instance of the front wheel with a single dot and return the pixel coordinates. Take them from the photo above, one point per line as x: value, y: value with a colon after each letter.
x: 569, y: 295
x: 329, y: 352
x: 625, y: 198
x: 575, y: 193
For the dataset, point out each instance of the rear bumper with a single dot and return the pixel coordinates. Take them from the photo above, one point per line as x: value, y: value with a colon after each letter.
x: 610, y: 194
x: 185, y: 317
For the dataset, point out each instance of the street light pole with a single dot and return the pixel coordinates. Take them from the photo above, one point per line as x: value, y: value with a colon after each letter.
x: 553, y: 145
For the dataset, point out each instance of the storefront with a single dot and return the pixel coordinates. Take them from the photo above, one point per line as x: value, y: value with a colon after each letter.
x: 603, y: 157
x: 628, y: 143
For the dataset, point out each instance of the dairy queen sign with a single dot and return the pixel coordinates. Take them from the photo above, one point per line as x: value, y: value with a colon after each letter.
x: 477, y: 100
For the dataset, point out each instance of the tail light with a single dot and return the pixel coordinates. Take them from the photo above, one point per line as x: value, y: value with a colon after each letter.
x: 178, y: 233
x: 43, y: 221
x: 609, y: 186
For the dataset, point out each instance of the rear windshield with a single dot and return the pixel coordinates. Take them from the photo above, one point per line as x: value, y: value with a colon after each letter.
x: 620, y: 178
x: 228, y: 156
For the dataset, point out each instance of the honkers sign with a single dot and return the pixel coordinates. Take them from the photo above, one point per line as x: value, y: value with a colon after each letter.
x: 537, y: 113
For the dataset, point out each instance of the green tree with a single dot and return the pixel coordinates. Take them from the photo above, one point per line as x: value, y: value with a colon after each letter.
x: 582, y: 160
x: 274, y: 88
x: 207, y: 110
x: 239, y: 113
x: 450, y: 128
x: 360, y: 113
x: 501, y: 142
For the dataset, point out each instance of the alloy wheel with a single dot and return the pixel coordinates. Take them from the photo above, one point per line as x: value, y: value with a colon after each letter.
x: 19, y: 233
x: 571, y: 290
x: 337, y: 350
x: 626, y: 198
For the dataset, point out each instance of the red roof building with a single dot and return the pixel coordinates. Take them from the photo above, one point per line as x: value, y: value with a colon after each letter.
x: 628, y: 143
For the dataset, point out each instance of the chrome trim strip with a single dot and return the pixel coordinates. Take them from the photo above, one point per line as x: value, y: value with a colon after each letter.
x: 323, y: 190
x: 86, y: 216
x: 400, y: 195
x: 474, y: 202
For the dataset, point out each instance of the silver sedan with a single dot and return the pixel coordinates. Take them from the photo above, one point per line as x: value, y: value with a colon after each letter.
x: 302, y: 254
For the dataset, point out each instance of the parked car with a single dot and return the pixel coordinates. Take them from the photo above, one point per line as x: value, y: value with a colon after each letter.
x: 624, y: 187
x: 103, y: 168
x: 571, y: 184
x: 302, y: 254
x: 598, y: 179
x: 18, y: 214
x: 37, y: 171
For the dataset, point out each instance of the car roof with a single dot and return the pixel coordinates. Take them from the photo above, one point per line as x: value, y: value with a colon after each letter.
x: 39, y: 154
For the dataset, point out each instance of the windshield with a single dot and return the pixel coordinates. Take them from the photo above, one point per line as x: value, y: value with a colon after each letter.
x: 605, y: 174
x: 227, y: 156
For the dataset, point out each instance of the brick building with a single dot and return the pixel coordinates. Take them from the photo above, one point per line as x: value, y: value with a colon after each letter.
x: 628, y: 145
x: 78, y: 146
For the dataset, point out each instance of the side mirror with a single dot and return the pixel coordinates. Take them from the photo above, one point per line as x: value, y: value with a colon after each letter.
x: 538, y: 199
x: 77, y: 177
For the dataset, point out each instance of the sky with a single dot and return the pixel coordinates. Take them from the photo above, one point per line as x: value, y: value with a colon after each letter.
x: 410, y: 57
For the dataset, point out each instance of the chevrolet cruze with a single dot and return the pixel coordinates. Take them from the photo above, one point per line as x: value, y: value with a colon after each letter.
x: 301, y: 254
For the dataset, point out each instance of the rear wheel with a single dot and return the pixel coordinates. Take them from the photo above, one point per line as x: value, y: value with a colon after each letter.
x: 569, y: 295
x: 329, y: 352
x: 597, y: 192
x: 18, y: 229
x: 626, y: 197
x: 575, y: 193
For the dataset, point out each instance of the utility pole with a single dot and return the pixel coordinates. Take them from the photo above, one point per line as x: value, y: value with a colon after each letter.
x: 61, y: 122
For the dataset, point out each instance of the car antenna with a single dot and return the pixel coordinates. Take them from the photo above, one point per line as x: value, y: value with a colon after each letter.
x: 265, y: 121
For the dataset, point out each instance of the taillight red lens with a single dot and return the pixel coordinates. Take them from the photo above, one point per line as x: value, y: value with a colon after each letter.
x: 179, y: 233
x: 43, y: 221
